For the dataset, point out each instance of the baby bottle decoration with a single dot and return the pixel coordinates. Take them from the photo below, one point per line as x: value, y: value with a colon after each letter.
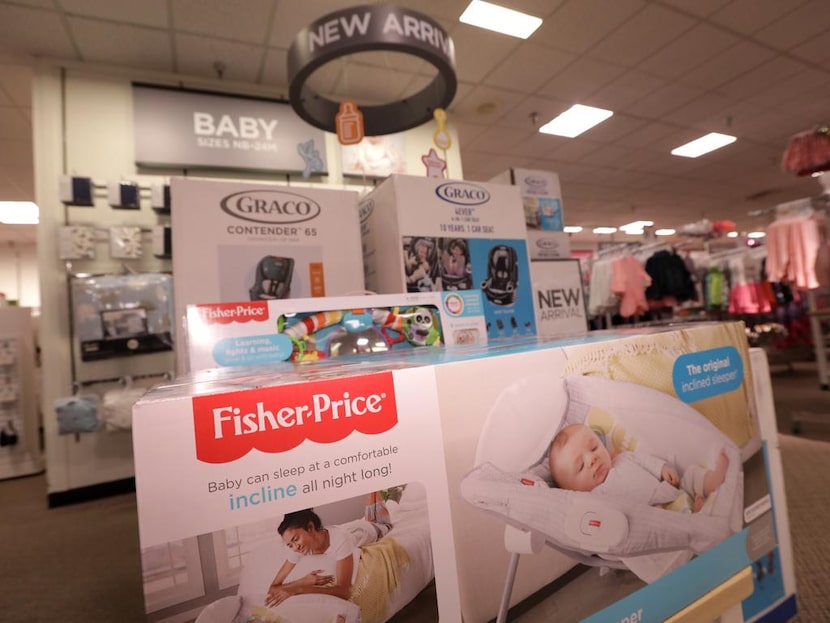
x: 348, y: 123
x: 441, y: 137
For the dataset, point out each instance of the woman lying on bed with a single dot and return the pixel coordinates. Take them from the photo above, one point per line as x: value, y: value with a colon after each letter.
x: 303, y: 534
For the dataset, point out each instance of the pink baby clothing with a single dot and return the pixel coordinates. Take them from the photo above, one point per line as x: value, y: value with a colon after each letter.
x: 629, y: 282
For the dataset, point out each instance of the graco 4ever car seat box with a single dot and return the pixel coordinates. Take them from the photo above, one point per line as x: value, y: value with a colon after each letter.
x: 237, y: 241
x: 425, y: 234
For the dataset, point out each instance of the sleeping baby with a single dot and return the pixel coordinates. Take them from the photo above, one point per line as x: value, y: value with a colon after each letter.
x: 579, y: 461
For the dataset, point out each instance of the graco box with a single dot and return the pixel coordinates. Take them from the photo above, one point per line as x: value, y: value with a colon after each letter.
x: 425, y: 234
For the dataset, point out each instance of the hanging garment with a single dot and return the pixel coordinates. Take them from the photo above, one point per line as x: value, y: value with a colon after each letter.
x: 793, y: 246
x: 77, y: 414
x: 670, y: 277
x: 629, y: 282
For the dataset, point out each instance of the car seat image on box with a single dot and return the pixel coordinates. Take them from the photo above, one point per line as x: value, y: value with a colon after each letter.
x: 272, y: 278
x: 502, y: 275
x: 512, y: 478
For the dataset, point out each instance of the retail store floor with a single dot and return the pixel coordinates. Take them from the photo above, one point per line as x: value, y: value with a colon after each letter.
x: 81, y: 562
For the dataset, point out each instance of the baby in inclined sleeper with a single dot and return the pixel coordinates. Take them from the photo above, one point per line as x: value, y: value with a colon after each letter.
x: 579, y: 461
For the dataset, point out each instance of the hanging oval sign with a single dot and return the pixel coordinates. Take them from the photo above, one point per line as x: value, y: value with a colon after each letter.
x: 367, y: 28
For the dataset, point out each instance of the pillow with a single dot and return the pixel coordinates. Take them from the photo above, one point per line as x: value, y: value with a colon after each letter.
x: 536, y: 404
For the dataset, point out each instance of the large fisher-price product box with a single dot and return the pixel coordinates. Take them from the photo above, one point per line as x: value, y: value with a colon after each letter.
x: 458, y: 444
x: 426, y: 235
x: 238, y: 241
x: 250, y: 333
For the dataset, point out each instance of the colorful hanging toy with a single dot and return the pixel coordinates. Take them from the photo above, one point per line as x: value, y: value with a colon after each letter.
x: 345, y: 332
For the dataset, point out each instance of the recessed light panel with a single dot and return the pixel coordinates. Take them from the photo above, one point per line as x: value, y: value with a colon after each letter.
x: 19, y: 213
x: 665, y: 232
x: 500, y: 19
x: 572, y: 229
x: 604, y: 230
x: 703, y: 145
x: 576, y: 120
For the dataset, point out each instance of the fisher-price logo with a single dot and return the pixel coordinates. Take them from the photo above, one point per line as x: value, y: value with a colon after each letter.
x: 226, y: 313
x: 278, y: 419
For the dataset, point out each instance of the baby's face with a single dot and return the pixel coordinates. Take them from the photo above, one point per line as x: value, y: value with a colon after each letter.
x: 582, y: 462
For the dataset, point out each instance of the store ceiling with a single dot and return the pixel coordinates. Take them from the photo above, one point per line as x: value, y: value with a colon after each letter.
x: 670, y: 69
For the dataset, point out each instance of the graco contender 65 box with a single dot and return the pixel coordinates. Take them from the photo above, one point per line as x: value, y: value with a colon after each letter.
x: 235, y: 241
x: 425, y: 235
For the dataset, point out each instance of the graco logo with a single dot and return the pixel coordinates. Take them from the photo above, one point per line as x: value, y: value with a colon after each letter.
x: 462, y: 193
x: 365, y: 210
x: 270, y: 206
x: 536, y: 184
x: 547, y: 244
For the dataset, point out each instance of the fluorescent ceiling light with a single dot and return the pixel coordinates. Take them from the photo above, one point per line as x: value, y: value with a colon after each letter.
x: 732, y: 234
x: 635, y: 227
x: 572, y: 229
x: 703, y: 145
x: 576, y: 120
x: 497, y: 18
x: 756, y: 234
x: 665, y: 232
x: 604, y: 230
x: 19, y: 213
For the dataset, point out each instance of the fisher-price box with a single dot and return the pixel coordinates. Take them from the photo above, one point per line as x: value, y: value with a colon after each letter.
x: 456, y: 443
x: 260, y: 332
x: 427, y: 235
x: 238, y: 241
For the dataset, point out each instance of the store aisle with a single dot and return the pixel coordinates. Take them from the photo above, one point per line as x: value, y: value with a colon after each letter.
x: 81, y: 562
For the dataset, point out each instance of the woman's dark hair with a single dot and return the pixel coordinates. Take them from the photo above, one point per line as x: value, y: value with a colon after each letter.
x: 300, y: 519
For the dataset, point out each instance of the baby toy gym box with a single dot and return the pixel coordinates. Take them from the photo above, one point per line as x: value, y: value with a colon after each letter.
x: 235, y: 241
x: 459, y: 444
x: 260, y: 332
x: 423, y: 234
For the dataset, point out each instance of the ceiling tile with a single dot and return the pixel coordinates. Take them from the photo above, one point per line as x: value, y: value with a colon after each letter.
x: 647, y: 135
x: 116, y: 44
x: 631, y: 87
x: 16, y: 82
x: 701, y: 8
x: 663, y: 101
x: 537, y: 8
x: 240, y: 20
x: 34, y: 32
x: 688, y: 51
x: 274, y: 71
x: 467, y: 132
x: 644, y: 34
x: 376, y: 86
x: 748, y: 16
x: 799, y: 85
x: 486, y: 104
x: 537, y: 145
x: 580, y: 79
x: 759, y: 79
x: 533, y: 107
x: 579, y: 24
x: 528, y: 67
x: 607, y: 156
x: 146, y: 12
x: 703, y: 108
x: 497, y: 140
x: 575, y: 149
x: 724, y: 67
x: 197, y: 56
x: 616, y: 127
x: 815, y: 50
x: 477, y: 51
x: 793, y: 28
